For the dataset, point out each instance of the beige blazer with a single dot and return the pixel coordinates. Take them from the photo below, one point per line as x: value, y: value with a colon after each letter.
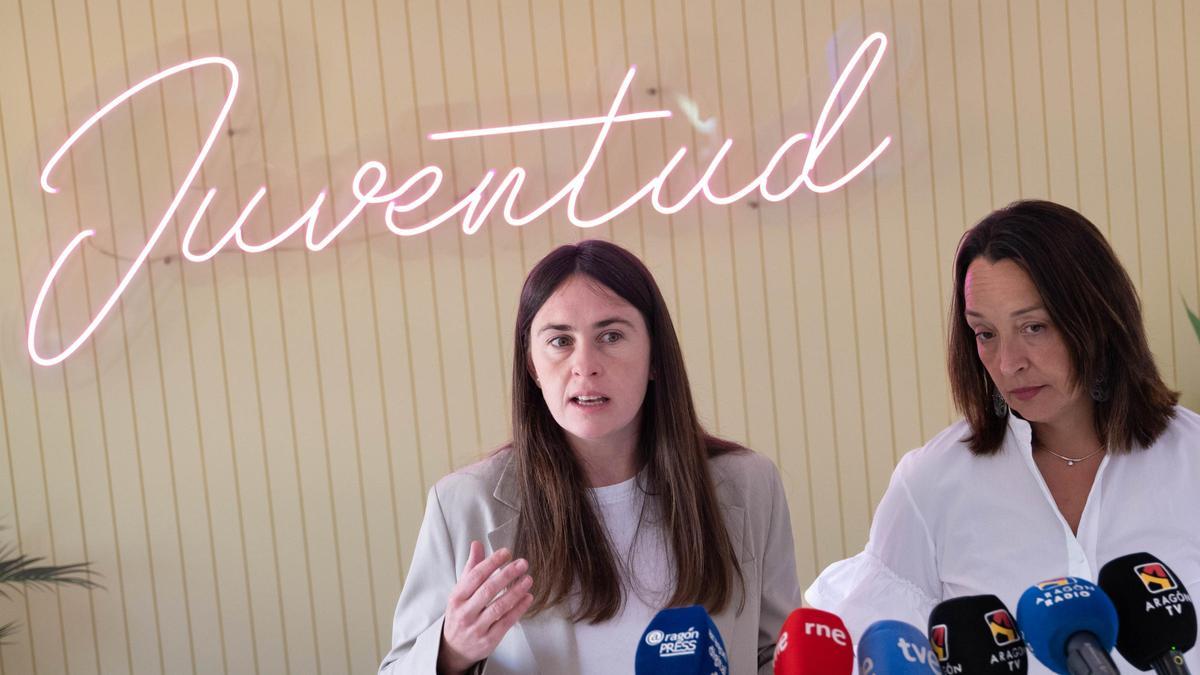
x: 480, y: 502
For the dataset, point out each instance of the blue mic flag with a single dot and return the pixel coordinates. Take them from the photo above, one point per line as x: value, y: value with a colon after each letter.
x: 1050, y: 613
x: 681, y: 641
x: 896, y: 648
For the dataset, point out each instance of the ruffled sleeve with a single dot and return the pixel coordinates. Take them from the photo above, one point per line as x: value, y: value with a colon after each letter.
x: 895, y: 577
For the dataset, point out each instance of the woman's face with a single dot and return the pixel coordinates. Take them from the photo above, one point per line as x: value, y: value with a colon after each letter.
x: 1019, y: 345
x: 590, y: 352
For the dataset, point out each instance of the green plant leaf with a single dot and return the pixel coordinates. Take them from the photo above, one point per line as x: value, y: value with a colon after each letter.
x: 1195, y: 319
x: 18, y: 570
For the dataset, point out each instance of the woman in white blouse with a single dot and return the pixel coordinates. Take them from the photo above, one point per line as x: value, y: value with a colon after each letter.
x: 1071, y: 452
x: 609, y: 504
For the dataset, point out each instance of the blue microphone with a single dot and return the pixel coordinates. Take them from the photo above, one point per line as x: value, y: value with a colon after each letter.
x: 896, y: 648
x: 682, y: 641
x: 1070, y: 625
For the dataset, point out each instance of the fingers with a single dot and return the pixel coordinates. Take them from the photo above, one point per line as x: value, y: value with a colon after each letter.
x: 490, y: 597
x: 513, y: 596
x: 474, y: 576
x: 474, y: 556
x: 467, y: 639
x: 498, y: 581
x: 522, y: 598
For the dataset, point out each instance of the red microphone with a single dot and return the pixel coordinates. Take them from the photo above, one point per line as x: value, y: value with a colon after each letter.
x: 814, y: 642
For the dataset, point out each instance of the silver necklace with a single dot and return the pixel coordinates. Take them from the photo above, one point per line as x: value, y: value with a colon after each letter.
x: 1071, y: 461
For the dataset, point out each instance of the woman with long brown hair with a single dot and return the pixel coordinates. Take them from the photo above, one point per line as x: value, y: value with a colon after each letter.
x: 1072, y: 451
x: 609, y: 504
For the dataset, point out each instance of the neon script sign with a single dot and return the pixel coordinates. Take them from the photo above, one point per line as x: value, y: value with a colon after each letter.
x: 369, y: 183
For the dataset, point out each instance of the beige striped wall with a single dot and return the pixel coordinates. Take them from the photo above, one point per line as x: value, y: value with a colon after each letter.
x: 244, y: 447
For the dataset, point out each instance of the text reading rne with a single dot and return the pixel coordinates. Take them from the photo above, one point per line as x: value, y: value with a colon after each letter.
x: 838, y: 635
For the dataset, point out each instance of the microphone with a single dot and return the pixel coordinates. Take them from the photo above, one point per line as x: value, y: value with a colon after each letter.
x: 896, y: 648
x: 814, y: 642
x: 1157, y: 617
x: 681, y: 641
x: 1070, y: 625
x: 976, y: 635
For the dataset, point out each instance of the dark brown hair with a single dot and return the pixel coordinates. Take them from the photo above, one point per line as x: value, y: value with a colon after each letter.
x: 559, y: 531
x: 1093, y: 304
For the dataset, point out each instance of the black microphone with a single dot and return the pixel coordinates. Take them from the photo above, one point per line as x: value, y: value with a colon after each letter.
x: 976, y: 635
x: 1156, y: 614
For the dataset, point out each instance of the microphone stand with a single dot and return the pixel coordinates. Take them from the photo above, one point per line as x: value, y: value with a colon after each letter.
x: 1171, y: 663
x: 1085, y: 657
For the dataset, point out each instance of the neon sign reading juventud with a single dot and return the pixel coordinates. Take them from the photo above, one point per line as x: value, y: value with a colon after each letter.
x: 474, y: 209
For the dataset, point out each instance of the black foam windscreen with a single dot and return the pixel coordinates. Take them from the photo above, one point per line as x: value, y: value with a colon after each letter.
x: 976, y: 634
x: 1154, y: 610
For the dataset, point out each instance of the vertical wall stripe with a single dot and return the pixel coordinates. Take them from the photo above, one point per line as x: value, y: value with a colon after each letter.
x: 111, y: 481
x: 302, y: 511
x: 567, y: 89
x: 802, y: 404
x: 8, y: 445
x: 700, y: 227
x: 1137, y: 211
x: 337, y: 527
x: 71, y: 423
x: 912, y: 307
x: 733, y: 278
x: 407, y: 324
x: 254, y: 350
x: 987, y: 121
x: 174, y: 449
x: 1162, y: 168
x: 234, y: 449
x: 933, y: 182
x: 52, y: 540
x: 390, y: 444
x: 138, y: 445
x: 658, y: 99
x: 761, y: 249
x: 358, y: 441
x: 1108, y: 214
x: 1071, y: 96
x: 875, y: 492
x: 203, y: 452
x: 600, y: 108
x: 1042, y: 88
x: 481, y: 396
x: 633, y: 146
x: 1187, y: 105
x: 1012, y: 80
x: 833, y: 450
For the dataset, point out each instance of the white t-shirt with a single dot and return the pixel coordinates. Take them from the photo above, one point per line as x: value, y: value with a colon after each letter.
x: 954, y: 524
x: 610, y: 646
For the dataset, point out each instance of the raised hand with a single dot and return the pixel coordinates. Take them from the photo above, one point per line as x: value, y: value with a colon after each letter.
x: 489, y: 598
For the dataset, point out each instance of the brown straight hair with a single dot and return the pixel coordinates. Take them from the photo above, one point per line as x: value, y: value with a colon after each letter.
x: 559, y: 531
x: 1091, y: 301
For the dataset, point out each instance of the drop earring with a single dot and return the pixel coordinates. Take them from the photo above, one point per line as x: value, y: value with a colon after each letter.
x: 1099, y: 390
x: 999, y: 405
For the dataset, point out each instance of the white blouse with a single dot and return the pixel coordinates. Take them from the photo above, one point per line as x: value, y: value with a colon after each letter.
x: 954, y: 524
